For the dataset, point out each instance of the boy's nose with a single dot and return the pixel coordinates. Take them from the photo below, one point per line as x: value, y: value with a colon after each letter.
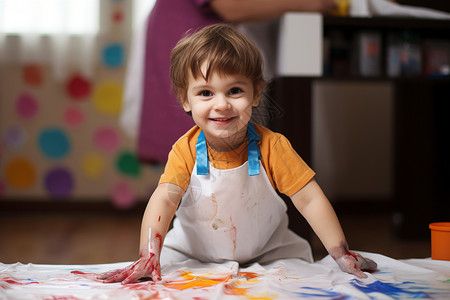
x: 221, y: 103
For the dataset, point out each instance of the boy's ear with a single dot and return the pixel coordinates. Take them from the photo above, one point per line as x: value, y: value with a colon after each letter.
x: 185, y: 104
x: 182, y: 97
x: 258, y: 95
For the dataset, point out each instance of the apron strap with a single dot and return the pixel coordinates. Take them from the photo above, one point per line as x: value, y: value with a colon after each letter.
x: 253, y: 152
x: 202, y: 155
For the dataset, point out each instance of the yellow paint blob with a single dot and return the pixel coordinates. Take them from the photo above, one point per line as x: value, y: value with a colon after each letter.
x: 108, y: 97
x: 20, y: 173
x: 93, y: 165
x: 191, y: 281
x: 233, y: 284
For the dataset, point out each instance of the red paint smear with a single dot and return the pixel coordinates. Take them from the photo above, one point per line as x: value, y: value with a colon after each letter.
x: 144, y: 286
x: 91, y: 276
x: 15, y: 282
x: 249, y: 275
x: 352, y: 254
x: 80, y: 273
x: 61, y: 298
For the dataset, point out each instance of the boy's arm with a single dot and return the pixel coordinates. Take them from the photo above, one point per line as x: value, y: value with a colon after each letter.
x: 159, y: 212
x: 157, y: 217
x: 265, y: 10
x: 312, y: 203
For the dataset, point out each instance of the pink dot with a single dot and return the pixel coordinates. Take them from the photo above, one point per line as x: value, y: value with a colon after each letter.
x: 73, y: 116
x: 123, y: 196
x: 106, y: 139
x: 26, y: 106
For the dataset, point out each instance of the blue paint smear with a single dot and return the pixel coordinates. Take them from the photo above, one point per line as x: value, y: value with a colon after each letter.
x: 324, y: 294
x: 395, y: 291
x: 389, y: 289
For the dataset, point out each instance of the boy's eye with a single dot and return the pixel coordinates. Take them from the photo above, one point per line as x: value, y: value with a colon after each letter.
x: 205, y: 93
x: 235, y: 90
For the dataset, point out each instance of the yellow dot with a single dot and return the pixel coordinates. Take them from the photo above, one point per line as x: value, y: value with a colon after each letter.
x: 93, y: 165
x: 20, y: 173
x: 108, y: 97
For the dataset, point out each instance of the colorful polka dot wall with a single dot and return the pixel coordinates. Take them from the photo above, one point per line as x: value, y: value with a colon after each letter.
x: 62, y: 141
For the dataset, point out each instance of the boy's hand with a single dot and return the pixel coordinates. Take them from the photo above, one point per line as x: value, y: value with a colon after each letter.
x: 147, y: 266
x: 351, y: 262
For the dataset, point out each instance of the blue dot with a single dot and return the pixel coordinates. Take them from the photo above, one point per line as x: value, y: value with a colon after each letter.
x: 54, y: 143
x: 113, y: 55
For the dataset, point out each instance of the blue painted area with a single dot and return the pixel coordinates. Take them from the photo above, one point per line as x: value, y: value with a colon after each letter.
x: 320, y: 293
x: 390, y: 289
x: 113, y: 55
x: 405, y: 290
x: 54, y: 143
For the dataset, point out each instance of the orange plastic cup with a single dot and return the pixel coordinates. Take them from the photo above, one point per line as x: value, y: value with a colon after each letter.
x: 440, y: 241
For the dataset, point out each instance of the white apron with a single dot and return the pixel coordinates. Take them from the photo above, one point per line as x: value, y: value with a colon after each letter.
x: 229, y: 215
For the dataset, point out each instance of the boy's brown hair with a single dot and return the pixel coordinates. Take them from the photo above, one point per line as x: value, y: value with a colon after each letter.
x: 227, y: 51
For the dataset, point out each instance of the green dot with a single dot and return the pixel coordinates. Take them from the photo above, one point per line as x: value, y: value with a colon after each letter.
x: 128, y: 164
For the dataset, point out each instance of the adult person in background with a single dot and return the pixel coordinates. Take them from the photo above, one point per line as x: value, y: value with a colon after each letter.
x: 161, y: 121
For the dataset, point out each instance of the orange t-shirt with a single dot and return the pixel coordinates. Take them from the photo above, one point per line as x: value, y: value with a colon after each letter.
x: 287, y: 171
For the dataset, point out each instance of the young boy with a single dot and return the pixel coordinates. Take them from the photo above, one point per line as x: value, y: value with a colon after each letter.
x: 221, y: 177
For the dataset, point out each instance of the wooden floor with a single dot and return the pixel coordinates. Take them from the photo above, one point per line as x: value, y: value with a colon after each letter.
x: 92, y: 237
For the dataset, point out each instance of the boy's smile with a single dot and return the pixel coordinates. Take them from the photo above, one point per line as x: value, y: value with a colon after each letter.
x: 221, y: 107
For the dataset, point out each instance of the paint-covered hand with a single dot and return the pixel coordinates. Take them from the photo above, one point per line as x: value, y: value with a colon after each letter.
x: 146, y: 267
x: 351, y: 262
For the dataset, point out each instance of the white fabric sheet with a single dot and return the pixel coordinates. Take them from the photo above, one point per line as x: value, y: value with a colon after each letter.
x: 283, y: 279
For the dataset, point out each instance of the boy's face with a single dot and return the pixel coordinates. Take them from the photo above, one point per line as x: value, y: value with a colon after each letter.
x: 221, y: 107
